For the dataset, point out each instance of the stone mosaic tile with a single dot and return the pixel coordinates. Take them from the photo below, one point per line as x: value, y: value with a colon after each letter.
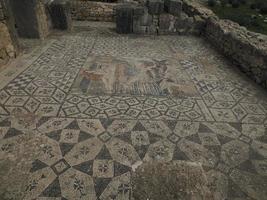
x: 91, y: 105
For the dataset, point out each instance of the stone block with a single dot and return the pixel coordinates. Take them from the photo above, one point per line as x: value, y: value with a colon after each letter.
x: 174, y: 7
x: 184, y: 24
x: 30, y: 17
x: 199, y: 24
x: 181, y: 21
x: 138, y: 28
x: 152, y: 30
x: 155, y: 7
x: 167, y: 24
x: 146, y: 19
x: 61, y: 14
x: 138, y: 11
x: 124, y: 19
x: 2, y: 17
x: 25, y: 16
x: 166, y: 5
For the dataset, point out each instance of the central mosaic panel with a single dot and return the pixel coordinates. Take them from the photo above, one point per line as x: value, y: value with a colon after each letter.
x: 113, y: 75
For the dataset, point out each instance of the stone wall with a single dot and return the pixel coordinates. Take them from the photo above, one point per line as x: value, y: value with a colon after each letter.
x: 8, y: 38
x: 92, y: 11
x: 247, y: 49
x: 159, y: 17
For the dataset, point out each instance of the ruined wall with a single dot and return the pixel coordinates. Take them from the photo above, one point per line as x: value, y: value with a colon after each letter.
x: 158, y: 17
x: 92, y: 11
x: 167, y: 23
x: 248, y: 49
x: 8, y: 38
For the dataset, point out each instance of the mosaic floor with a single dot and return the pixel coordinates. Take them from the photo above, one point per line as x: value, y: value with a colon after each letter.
x: 79, y: 111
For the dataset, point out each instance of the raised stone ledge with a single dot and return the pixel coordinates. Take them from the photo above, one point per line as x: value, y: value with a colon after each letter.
x: 193, y: 8
x: 248, y: 49
x: 241, y: 33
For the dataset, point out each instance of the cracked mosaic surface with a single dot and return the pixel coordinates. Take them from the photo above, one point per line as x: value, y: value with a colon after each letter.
x: 78, y: 113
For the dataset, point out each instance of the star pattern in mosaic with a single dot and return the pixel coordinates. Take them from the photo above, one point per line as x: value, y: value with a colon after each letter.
x: 92, y: 105
x: 93, y: 158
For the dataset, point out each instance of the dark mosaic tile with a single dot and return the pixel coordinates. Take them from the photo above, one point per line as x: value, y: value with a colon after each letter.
x: 139, y: 127
x: 104, y: 154
x: 204, y: 129
x: 101, y: 184
x: 53, y: 190
x: 179, y: 155
x: 237, y: 126
x: 85, y: 167
x: 223, y: 139
x: 37, y: 165
x: 194, y: 138
x: 42, y: 121
x: 84, y: 136
x: 5, y: 123
x: 12, y: 132
x: 120, y: 169
x: 141, y: 150
x: 73, y: 125
x: 65, y: 148
x: 55, y: 135
x: 106, y: 122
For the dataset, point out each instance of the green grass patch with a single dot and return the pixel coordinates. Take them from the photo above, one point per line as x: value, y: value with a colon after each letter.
x: 252, y: 19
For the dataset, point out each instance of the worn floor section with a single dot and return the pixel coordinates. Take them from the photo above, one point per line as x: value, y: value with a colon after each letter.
x: 78, y: 110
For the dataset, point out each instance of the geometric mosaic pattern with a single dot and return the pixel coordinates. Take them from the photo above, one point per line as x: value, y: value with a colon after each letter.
x: 57, y: 142
x: 93, y: 158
